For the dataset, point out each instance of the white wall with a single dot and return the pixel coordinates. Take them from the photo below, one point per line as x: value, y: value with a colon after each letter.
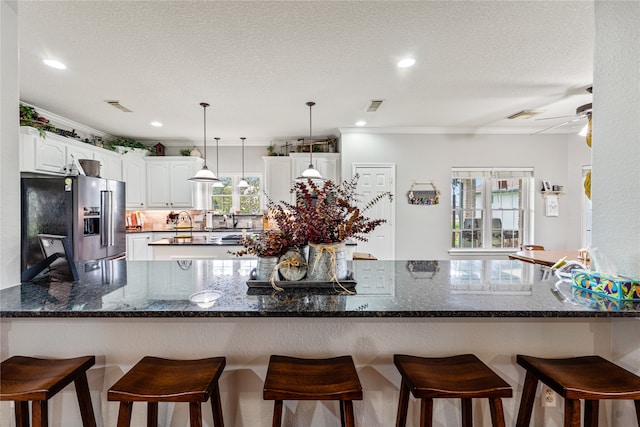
x: 423, y: 232
x: 616, y: 134
x: 9, y: 176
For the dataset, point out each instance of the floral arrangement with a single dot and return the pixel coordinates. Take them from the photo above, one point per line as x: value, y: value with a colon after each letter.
x: 326, y: 212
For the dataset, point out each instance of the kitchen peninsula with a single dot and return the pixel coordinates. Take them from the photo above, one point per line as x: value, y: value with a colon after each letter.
x: 123, y: 310
x: 199, y: 246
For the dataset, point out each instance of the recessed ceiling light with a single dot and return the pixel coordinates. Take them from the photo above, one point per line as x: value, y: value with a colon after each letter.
x: 407, y: 62
x: 361, y: 123
x: 54, y: 64
x: 156, y: 124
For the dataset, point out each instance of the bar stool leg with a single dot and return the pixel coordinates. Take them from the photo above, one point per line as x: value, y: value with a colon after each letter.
x: 342, y: 413
x: 467, y: 413
x: 22, y: 414
x: 152, y: 414
x: 216, y: 407
x: 591, y: 410
x: 277, y: 413
x: 426, y: 413
x: 637, y: 402
x: 124, y: 414
x: 40, y: 413
x: 497, y: 412
x: 195, y: 414
x: 526, y: 403
x: 403, y: 405
x: 84, y: 401
x: 571, y: 413
x: 349, y: 419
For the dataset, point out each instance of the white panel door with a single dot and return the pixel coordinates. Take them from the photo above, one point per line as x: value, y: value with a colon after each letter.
x: 376, y: 179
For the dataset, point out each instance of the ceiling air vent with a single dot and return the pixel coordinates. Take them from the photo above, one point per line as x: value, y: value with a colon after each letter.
x: 524, y: 114
x: 116, y: 104
x: 373, y: 105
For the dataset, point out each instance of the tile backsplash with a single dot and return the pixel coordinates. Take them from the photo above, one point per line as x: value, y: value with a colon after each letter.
x: 160, y: 219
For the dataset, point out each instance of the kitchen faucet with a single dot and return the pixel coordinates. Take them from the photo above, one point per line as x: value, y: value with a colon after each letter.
x: 234, y: 221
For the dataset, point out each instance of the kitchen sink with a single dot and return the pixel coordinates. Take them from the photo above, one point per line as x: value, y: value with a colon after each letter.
x: 232, y: 237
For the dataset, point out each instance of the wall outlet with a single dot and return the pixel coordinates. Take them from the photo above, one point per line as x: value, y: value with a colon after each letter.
x: 547, y: 396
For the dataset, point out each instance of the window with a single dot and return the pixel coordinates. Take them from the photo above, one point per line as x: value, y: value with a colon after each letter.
x: 490, y: 208
x: 230, y: 198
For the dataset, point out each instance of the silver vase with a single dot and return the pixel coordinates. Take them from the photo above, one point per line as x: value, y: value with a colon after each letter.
x: 327, y: 262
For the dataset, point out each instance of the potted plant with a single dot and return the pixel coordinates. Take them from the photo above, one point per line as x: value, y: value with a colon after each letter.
x: 30, y: 117
x: 268, y: 247
x: 185, y: 152
x: 271, y: 149
x: 325, y: 215
x: 127, y: 145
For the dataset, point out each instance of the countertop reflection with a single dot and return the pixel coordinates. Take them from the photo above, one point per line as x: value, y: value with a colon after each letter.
x: 461, y: 288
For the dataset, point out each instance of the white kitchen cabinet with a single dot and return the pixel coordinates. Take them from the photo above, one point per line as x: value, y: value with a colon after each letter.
x: 134, y: 174
x: 110, y: 164
x: 48, y: 155
x: 328, y: 164
x: 138, y: 248
x: 168, y: 186
x: 55, y: 154
x: 277, y: 178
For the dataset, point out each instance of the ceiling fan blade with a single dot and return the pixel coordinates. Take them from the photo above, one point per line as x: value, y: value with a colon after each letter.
x: 557, y: 117
x: 575, y: 119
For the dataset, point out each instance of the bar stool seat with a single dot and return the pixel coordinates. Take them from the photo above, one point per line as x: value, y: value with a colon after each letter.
x: 291, y: 378
x: 461, y: 376
x: 29, y: 379
x: 592, y: 378
x: 154, y: 380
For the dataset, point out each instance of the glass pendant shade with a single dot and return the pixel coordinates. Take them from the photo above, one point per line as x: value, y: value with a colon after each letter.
x: 310, y: 172
x: 218, y: 183
x: 204, y: 175
x: 243, y: 182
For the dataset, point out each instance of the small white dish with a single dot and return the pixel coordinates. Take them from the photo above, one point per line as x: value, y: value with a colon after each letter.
x: 205, y: 299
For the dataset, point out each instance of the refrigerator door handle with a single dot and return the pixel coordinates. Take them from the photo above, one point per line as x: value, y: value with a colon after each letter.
x: 106, y: 219
x: 110, y: 235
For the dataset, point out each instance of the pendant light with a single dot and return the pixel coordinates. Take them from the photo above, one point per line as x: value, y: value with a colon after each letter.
x: 310, y: 172
x: 243, y: 182
x: 204, y: 174
x: 218, y: 183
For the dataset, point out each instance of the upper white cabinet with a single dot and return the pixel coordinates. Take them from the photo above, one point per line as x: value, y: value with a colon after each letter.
x: 38, y: 154
x: 167, y: 182
x: 328, y: 164
x: 277, y: 178
x: 134, y: 174
x: 110, y: 164
x: 55, y: 154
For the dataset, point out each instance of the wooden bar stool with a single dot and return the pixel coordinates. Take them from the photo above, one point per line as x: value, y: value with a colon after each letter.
x: 24, y: 379
x: 463, y: 376
x: 291, y: 378
x: 591, y: 378
x: 154, y: 380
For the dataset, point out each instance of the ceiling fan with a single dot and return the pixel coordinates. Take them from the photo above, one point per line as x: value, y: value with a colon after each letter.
x: 582, y: 112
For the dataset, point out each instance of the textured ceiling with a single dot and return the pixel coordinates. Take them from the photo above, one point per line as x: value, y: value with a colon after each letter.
x: 257, y: 63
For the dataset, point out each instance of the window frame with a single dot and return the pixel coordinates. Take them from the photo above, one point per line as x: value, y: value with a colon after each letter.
x: 488, y: 174
x: 235, y: 193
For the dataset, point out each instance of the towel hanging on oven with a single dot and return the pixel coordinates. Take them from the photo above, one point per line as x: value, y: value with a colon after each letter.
x: 430, y: 195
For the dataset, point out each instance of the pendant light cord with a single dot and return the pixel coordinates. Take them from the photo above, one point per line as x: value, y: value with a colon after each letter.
x: 243, y: 156
x: 204, y: 109
x: 217, y: 157
x: 310, y: 104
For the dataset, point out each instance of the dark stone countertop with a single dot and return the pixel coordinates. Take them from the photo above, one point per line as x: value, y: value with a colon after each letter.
x: 194, y: 241
x: 446, y: 289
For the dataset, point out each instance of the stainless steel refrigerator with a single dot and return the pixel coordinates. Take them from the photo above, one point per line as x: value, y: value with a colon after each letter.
x: 89, y: 210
